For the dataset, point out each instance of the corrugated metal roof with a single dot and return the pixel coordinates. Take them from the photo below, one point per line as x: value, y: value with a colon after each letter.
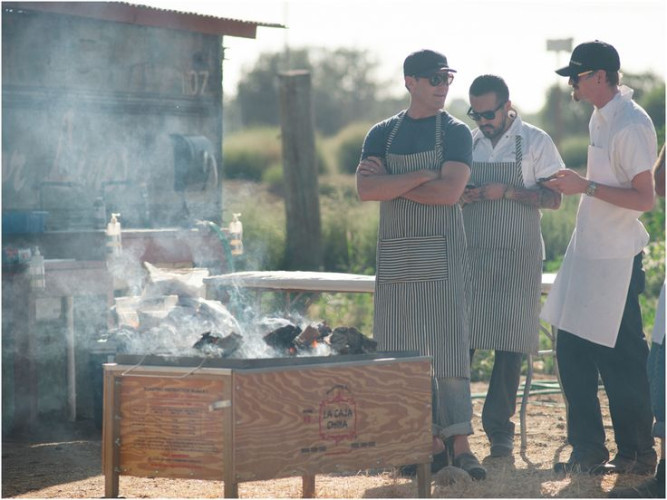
x: 124, y: 12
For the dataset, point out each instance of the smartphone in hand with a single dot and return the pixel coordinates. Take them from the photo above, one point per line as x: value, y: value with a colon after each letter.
x: 545, y: 179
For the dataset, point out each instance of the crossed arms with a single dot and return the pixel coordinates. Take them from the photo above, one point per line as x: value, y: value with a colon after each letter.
x: 428, y: 187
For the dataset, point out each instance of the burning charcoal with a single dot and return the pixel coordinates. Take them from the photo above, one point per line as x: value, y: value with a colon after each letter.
x: 324, y: 329
x: 283, y: 337
x: 223, y: 346
x: 349, y: 340
x: 309, y: 338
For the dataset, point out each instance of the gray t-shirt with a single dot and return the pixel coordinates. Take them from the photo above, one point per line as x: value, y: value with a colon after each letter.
x: 417, y: 136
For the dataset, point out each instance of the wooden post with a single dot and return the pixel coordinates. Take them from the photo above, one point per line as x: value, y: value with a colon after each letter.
x: 111, y: 435
x: 304, y: 233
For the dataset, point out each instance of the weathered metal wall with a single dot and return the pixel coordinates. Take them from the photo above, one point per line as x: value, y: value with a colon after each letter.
x: 88, y: 108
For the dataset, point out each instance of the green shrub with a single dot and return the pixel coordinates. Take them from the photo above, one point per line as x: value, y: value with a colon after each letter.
x: 557, y: 227
x: 655, y: 220
x: 349, y: 228
x: 346, y: 146
x: 247, y: 154
x: 574, y: 151
x: 273, y: 177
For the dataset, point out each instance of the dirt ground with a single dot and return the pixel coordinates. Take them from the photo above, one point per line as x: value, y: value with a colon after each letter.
x: 65, y: 462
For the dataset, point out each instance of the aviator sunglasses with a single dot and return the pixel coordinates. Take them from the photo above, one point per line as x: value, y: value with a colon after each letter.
x: 587, y: 74
x: 437, y: 79
x: 487, y: 115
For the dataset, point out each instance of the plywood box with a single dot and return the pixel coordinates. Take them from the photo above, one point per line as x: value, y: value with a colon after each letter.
x: 265, y: 422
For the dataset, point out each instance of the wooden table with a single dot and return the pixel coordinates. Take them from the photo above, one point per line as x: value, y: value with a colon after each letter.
x: 295, y: 283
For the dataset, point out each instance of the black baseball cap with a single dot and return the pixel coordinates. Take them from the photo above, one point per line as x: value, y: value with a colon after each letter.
x: 591, y: 56
x: 425, y: 63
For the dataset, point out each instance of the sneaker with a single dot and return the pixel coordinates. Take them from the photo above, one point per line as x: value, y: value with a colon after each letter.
x: 469, y: 463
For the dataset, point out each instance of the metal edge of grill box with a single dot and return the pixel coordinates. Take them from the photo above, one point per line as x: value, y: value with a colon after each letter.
x: 233, y: 363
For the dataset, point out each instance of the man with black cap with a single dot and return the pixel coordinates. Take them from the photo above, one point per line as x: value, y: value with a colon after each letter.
x: 594, y: 301
x: 416, y: 164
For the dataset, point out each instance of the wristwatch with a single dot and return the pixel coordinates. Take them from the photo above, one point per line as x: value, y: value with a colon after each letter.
x: 591, y: 188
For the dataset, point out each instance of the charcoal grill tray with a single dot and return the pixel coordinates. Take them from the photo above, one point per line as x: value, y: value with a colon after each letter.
x: 233, y: 363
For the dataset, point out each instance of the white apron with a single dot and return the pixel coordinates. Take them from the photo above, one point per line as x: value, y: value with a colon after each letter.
x: 588, y: 296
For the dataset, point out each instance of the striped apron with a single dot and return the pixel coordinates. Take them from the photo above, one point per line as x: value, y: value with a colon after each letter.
x: 422, y: 282
x: 505, y: 251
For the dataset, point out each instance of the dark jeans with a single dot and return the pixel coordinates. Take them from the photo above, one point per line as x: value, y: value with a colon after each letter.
x: 656, y: 377
x: 623, y: 370
x: 500, y: 402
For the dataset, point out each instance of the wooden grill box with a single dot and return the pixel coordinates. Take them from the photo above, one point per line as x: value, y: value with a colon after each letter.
x: 250, y: 420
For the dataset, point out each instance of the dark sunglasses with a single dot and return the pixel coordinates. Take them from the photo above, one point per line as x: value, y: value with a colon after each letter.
x: 576, y: 78
x: 487, y: 115
x: 437, y: 79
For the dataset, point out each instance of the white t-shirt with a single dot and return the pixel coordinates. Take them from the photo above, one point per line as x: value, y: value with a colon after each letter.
x: 540, y: 156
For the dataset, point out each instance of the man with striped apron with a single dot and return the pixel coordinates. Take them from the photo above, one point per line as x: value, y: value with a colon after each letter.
x: 594, y: 301
x: 417, y: 164
x: 502, y: 222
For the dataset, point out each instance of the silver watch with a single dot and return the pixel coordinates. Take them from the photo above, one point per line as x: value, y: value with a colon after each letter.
x: 591, y: 188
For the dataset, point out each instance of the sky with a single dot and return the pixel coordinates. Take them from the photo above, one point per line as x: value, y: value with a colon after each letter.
x: 503, y: 37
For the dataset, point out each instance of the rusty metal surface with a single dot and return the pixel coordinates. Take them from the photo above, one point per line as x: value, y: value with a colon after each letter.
x: 147, y: 16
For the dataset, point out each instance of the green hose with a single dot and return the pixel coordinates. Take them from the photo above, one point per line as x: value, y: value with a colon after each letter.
x: 223, y: 239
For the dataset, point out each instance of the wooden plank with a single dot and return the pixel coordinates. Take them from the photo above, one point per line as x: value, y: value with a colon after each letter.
x: 109, y: 436
x: 331, y: 418
x: 173, y: 425
x: 424, y: 480
x: 308, y: 489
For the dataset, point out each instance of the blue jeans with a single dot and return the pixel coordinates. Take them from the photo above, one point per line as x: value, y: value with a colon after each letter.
x: 656, y: 378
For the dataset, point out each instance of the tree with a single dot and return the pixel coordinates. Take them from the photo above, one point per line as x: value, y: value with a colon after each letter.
x: 343, y: 84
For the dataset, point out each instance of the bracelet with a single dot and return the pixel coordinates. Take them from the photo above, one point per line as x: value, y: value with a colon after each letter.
x: 509, y: 192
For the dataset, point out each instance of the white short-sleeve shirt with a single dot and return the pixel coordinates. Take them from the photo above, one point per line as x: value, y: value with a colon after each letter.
x: 540, y: 155
x: 626, y: 132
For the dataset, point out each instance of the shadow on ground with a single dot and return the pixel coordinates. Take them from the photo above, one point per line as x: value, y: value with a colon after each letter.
x: 50, y: 453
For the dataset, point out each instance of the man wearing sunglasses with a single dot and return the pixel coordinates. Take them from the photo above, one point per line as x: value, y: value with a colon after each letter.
x: 594, y: 301
x: 502, y: 222
x: 416, y: 164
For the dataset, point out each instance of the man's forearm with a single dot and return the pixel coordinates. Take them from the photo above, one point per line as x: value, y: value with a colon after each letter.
x: 387, y: 187
x: 436, y: 192
x: 539, y: 198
